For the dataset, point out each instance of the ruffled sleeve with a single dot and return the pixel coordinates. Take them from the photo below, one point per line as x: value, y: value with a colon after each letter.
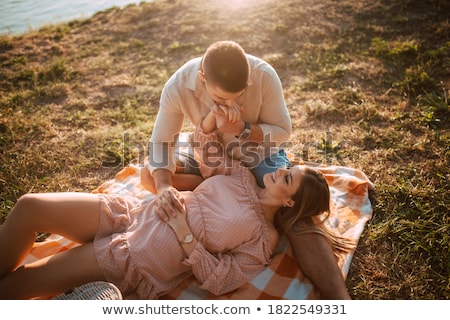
x: 224, y: 272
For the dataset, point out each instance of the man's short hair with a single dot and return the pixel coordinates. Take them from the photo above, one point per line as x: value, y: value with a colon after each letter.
x: 226, y: 66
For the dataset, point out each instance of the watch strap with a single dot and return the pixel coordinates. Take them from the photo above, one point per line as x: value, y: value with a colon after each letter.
x: 245, y: 133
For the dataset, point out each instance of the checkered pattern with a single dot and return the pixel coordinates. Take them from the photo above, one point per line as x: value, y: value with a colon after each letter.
x: 350, y: 211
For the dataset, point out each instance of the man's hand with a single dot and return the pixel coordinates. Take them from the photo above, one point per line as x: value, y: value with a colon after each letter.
x: 169, y: 203
x: 168, y: 199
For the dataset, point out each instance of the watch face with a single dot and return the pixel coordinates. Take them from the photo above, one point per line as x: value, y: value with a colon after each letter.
x: 188, y: 238
x: 245, y: 135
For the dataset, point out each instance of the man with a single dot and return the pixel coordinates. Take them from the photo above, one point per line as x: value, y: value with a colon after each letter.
x: 247, y: 88
x: 248, y: 91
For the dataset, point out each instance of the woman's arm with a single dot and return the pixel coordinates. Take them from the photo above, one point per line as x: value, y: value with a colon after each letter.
x: 211, y: 154
x: 182, y: 230
x: 222, y: 272
x: 208, y: 123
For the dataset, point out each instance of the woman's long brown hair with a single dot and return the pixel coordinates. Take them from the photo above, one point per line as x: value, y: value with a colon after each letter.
x: 311, y: 199
x: 311, y: 209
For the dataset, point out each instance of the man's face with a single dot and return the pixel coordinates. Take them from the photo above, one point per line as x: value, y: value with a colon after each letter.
x: 218, y: 95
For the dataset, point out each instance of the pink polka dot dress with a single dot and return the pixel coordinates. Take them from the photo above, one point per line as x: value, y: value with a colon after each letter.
x: 140, y: 253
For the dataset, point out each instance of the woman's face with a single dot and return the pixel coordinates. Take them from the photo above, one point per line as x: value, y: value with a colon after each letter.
x: 283, y: 183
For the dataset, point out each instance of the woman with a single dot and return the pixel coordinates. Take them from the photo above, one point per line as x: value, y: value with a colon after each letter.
x: 223, y: 233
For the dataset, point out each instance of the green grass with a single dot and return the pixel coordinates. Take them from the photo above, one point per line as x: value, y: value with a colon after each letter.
x: 367, y: 84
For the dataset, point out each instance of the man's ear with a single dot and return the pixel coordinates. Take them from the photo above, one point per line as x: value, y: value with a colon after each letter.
x: 201, y: 75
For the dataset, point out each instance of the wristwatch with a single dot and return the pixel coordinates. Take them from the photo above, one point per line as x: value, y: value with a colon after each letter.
x: 245, y: 133
x: 187, y: 239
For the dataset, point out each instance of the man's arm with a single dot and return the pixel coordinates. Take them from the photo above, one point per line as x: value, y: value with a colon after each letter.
x: 180, y: 181
x: 233, y: 128
x: 274, y: 118
x: 162, y: 180
x: 168, y: 197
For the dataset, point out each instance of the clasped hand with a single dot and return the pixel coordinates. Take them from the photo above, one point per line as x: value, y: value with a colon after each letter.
x: 171, y: 208
x: 228, y: 117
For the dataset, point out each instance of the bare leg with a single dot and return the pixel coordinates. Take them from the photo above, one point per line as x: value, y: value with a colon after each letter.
x: 316, y: 260
x: 72, y: 215
x: 52, y: 275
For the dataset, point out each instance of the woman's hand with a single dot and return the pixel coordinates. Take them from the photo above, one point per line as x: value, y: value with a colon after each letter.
x: 183, y: 232
x: 178, y: 223
x: 228, y: 118
x: 232, y: 111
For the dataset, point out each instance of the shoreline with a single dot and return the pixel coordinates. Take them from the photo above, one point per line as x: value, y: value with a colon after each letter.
x: 31, y: 19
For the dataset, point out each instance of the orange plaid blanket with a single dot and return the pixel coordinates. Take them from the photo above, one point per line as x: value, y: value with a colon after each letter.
x: 282, y: 279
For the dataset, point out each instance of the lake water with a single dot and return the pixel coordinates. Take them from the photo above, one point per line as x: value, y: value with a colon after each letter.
x: 19, y: 16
